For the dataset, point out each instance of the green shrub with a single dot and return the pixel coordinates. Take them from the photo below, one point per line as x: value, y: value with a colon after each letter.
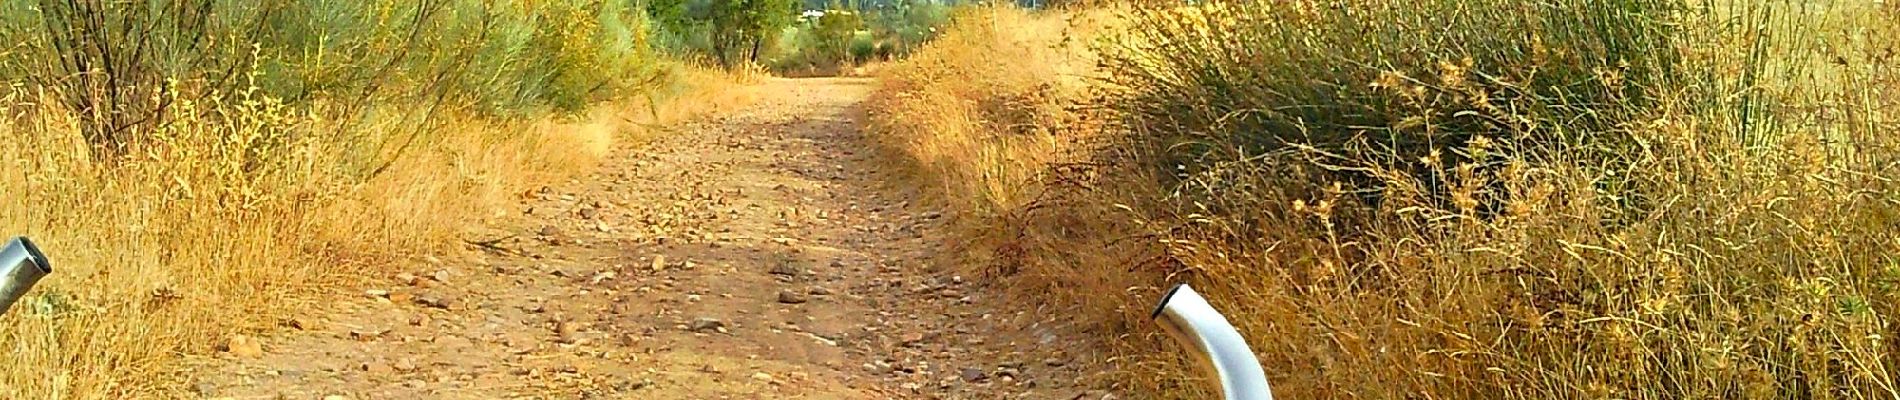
x: 502, y: 58
x: 820, y: 42
x: 1403, y: 82
x: 828, y: 41
x: 863, y: 47
x: 909, y: 24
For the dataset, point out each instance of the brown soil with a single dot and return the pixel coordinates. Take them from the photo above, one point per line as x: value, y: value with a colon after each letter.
x: 757, y: 255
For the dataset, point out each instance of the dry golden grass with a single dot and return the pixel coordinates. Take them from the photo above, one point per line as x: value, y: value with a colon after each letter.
x: 989, y: 120
x: 195, y: 237
x: 980, y: 132
x: 1717, y: 263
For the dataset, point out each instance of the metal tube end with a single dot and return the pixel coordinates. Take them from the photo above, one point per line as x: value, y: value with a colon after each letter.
x: 1163, y: 304
x: 1208, y: 337
x: 21, y: 266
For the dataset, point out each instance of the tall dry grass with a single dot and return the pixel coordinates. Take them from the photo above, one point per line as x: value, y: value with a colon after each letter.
x: 978, y: 132
x: 174, y: 249
x: 189, y: 191
x: 987, y: 119
x: 1390, y: 212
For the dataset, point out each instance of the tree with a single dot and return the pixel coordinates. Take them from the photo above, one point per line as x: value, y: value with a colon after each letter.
x: 741, y: 27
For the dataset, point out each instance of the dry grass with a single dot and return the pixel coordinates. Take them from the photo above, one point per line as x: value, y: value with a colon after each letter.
x: 980, y: 131
x: 1741, y: 248
x: 196, y: 236
x: 992, y: 120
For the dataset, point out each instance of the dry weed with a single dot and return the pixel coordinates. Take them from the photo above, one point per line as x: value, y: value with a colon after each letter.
x: 1738, y: 245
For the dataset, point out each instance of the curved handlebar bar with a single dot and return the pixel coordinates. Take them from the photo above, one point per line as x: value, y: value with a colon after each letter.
x: 1187, y: 317
x: 21, y: 266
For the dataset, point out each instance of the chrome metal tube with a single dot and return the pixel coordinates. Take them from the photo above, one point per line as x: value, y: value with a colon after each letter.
x: 21, y: 266
x: 1206, y: 333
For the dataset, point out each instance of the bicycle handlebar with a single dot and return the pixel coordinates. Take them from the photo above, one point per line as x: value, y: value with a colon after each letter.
x: 1200, y: 328
x: 21, y: 266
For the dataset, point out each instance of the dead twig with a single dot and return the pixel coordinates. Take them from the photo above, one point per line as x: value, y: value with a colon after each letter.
x: 493, y: 245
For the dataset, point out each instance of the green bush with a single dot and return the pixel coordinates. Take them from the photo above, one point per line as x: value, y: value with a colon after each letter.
x: 820, y: 42
x: 863, y: 47
x: 502, y: 58
x: 908, y: 24
x: 727, y: 32
x: 828, y: 41
x: 1403, y: 82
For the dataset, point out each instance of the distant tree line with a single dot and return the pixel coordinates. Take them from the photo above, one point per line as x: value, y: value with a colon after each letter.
x: 875, y: 4
x: 732, y: 32
x: 770, y: 32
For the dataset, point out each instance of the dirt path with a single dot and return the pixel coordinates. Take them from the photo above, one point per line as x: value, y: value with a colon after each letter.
x: 749, y: 257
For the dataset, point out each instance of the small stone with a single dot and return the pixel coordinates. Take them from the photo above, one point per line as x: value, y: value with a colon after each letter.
x: 659, y: 263
x: 377, y: 293
x: 1054, y: 362
x: 792, y: 297
x: 762, y: 377
x: 643, y: 383
x: 302, y: 323
x: 601, y: 277
x: 911, y: 339
x: 407, y: 278
x: 550, y: 231
x: 703, y: 324
x: 436, y: 300
x: 405, y: 365
x: 565, y: 333
x: 367, y: 334
x: 336, y: 397
x: 973, y: 375
x: 785, y: 269
x: 820, y: 291
x: 440, y: 276
x: 243, y: 346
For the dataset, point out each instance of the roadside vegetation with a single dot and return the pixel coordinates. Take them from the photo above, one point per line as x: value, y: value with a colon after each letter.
x: 838, y: 38
x: 200, y: 169
x: 809, y: 38
x: 1446, y: 199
